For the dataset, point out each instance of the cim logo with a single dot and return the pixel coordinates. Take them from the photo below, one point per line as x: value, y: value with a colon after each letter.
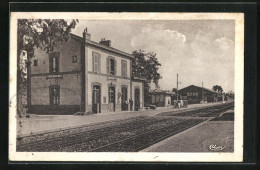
x: 216, y: 148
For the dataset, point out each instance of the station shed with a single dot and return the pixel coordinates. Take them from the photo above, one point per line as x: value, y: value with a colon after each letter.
x: 161, y: 98
x: 195, y: 94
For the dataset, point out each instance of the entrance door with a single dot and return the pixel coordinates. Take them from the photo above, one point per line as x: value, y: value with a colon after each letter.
x: 111, y: 99
x: 96, y: 106
x: 137, y: 99
x: 54, y: 97
x: 124, y: 105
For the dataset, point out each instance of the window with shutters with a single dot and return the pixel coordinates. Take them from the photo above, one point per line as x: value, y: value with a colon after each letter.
x: 124, y: 68
x: 96, y: 62
x: 111, y: 66
x: 54, y: 94
x: 54, y: 62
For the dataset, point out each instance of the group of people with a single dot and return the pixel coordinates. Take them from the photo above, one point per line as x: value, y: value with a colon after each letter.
x: 179, y: 104
x: 130, y: 102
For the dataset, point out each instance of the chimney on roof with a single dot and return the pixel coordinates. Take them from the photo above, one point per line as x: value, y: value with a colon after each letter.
x: 105, y: 42
x: 86, y: 35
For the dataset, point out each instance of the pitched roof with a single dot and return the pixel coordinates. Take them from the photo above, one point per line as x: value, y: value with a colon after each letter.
x: 162, y: 92
x: 200, y: 88
x: 93, y: 43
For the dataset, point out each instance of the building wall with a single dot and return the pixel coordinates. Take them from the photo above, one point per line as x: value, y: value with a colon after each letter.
x: 69, y: 80
x: 69, y: 49
x: 104, y: 56
x: 102, y: 80
x: 70, y: 89
x: 161, y: 99
x: 208, y: 96
x: 158, y: 99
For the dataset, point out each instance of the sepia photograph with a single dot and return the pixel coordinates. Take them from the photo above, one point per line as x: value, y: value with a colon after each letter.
x: 89, y: 86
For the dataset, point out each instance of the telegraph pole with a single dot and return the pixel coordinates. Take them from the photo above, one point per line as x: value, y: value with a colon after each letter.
x: 177, y: 87
x: 202, y: 93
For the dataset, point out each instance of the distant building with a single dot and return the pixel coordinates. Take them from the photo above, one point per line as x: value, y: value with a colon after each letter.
x: 161, y: 98
x: 83, y: 75
x: 195, y: 94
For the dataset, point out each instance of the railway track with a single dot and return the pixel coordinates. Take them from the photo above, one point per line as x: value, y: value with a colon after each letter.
x: 130, y: 135
x: 212, y: 111
x: 72, y: 139
x: 60, y: 133
x: 142, y: 141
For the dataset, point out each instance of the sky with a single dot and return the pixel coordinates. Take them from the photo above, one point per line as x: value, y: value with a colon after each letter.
x: 198, y: 50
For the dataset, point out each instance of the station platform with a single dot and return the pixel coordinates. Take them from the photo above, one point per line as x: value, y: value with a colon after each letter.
x: 37, y: 124
x: 210, y: 136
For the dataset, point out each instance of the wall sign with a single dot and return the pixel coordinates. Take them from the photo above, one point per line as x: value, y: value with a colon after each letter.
x: 54, y: 76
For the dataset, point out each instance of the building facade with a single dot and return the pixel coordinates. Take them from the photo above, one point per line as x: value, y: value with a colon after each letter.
x: 195, y: 94
x: 83, y: 75
x: 161, y: 98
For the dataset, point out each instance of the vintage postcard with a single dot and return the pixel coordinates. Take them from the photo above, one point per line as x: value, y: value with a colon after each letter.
x: 150, y: 87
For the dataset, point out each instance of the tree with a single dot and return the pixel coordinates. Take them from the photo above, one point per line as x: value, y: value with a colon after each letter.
x: 45, y: 34
x: 146, y: 65
x: 218, y: 88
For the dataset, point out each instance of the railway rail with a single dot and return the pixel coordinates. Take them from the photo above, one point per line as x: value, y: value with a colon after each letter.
x: 212, y: 111
x: 129, y: 135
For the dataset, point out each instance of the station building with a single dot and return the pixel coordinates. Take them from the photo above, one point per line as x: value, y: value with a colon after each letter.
x: 195, y: 94
x: 83, y: 75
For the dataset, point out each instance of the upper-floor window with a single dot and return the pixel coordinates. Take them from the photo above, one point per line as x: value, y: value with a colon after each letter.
x: 96, y: 62
x: 111, y: 66
x: 54, y: 62
x: 124, y: 68
x: 74, y: 59
x: 35, y: 62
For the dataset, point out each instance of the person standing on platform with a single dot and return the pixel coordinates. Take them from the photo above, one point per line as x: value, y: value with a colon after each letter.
x: 131, y: 104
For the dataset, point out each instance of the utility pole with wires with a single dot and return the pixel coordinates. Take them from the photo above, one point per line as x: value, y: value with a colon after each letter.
x: 202, y: 93
x: 177, y: 86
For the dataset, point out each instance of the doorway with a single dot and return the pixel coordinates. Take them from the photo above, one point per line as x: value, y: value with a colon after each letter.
x: 96, y: 104
x: 111, y: 99
x: 137, y: 99
x: 124, y: 105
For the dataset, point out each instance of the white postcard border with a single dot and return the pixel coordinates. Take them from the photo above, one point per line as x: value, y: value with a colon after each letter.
x: 236, y: 156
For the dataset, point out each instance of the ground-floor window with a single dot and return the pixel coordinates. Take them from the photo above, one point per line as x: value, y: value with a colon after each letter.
x: 124, y: 99
x: 54, y: 95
